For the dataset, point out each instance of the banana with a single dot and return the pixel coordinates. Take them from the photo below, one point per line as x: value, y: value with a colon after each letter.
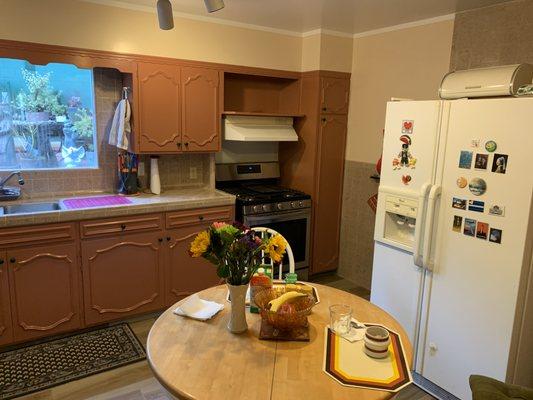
x: 284, y: 298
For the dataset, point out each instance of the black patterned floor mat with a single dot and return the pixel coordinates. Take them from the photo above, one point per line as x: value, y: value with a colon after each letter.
x: 55, y: 362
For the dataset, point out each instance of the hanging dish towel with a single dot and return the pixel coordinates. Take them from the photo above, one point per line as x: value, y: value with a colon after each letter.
x: 121, y: 127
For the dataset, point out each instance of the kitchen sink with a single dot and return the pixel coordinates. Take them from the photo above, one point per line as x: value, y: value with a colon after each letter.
x: 29, y: 208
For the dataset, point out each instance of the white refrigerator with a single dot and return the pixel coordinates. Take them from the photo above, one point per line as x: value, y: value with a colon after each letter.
x: 454, y: 237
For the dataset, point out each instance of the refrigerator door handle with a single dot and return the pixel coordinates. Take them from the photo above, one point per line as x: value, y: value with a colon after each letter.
x: 434, y: 194
x: 422, y: 200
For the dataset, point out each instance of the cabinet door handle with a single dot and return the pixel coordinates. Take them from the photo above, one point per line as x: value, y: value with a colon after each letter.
x: 160, y: 240
x: 12, y: 260
x: 323, y: 119
x: 168, y: 238
x: 123, y: 226
x: 179, y: 145
x: 1, y: 261
x: 324, y: 109
x: 186, y: 144
x: 201, y: 217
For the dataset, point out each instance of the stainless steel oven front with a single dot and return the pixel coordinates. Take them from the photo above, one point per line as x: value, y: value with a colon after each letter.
x: 295, y: 226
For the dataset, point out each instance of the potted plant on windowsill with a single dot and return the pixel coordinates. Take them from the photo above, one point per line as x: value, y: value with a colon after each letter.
x: 236, y: 251
x: 39, y: 102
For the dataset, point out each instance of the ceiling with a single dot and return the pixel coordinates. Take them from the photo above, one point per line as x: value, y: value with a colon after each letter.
x: 300, y: 16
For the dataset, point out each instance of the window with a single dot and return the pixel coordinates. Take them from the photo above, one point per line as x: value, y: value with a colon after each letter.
x: 47, y: 117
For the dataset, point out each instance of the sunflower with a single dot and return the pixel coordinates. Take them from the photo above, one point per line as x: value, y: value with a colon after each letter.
x: 200, y: 244
x: 275, y: 247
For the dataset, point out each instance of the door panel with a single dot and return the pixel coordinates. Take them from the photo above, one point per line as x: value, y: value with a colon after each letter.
x: 187, y: 275
x: 334, y: 95
x: 200, y: 109
x: 6, y: 331
x: 159, y: 96
x: 44, y: 285
x: 328, y: 196
x: 475, y: 281
x: 122, y: 276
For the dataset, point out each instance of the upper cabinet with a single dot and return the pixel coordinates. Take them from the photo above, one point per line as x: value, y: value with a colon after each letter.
x: 200, y: 108
x: 334, y: 95
x: 159, y: 112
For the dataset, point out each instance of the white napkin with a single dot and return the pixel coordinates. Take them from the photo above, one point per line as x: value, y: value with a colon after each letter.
x: 198, y: 308
x: 357, y: 331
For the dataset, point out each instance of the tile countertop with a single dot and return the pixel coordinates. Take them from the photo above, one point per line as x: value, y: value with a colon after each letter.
x: 171, y: 200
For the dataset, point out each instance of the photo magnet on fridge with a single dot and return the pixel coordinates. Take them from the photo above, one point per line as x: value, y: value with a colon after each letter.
x: 465, y: 159
x: 470, y: 227
x: 497, y: 210
x: 482, y: 161
x: 499, y: 163
x: 477, y: 186
x: 476, y: 205
x: 407, y: 126
x: 482, y: 230
x: 457, y: 223
x: 461, y: 182
x: 495, y: 235
x: 460, y: 204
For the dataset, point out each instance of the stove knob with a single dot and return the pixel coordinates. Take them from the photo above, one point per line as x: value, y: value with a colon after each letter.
x: 293, y: 204
x: 265, y: 207
x: 280, y: 206
x: 301, y: 203
x: 255, y: 208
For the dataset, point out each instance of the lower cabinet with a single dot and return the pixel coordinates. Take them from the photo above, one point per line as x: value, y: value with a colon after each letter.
x: 122, y: 276
x: 6, y: 330
x: 44, y: 286
x: 187, y: 275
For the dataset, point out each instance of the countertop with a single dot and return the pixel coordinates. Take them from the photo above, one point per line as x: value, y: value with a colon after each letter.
x: 172, y: 200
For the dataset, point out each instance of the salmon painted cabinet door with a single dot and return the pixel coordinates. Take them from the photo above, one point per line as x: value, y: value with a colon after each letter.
x: 159, y: 111
x: 6, y: 331
x: 328, y: 199
x: 200, y: 105
x: 122, y: 276
x: 45, y: 294
x: 334, y: 95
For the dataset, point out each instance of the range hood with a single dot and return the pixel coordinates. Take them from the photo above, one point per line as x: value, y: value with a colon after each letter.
x: 259, y: 129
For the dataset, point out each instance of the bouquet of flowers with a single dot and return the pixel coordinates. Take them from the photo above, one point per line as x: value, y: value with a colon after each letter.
x: 236, y: 250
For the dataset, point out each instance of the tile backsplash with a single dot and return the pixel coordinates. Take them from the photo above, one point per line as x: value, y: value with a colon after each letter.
x: 176, y: 171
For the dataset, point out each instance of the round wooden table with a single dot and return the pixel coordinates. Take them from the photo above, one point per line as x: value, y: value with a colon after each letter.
x: 203, y: 360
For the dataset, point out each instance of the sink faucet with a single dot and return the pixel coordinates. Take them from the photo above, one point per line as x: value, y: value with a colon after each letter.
x: 8, y: 177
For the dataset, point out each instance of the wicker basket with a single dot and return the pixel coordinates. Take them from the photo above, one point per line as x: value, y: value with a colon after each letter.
x: 284, y: 320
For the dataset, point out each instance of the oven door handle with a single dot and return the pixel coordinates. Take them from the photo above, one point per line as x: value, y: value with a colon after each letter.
x: 270, y: 217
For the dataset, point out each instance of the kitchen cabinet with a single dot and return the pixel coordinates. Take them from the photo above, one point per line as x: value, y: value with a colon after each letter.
x: 6, y: 330
x: 200, y: 106
x: 186, y: 275
x: 328, y: 197
x: 44, y: 287
x: 334, y: 95
x: 122, y: 275
x: 159, y: 110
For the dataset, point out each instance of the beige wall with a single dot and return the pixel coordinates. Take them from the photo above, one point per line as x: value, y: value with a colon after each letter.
x: 407, y: 63
x: 327, y: 52
x: 93, y: 26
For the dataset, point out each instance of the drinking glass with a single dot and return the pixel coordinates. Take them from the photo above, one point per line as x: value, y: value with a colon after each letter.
x: 340, y: 318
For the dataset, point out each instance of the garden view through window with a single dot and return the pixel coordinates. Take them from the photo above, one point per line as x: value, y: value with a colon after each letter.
x: 47, y: 116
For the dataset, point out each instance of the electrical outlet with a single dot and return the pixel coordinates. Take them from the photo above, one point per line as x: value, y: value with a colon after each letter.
x: 193, y: 174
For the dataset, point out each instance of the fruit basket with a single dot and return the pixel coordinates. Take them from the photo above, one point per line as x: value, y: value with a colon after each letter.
x: 290, y: 315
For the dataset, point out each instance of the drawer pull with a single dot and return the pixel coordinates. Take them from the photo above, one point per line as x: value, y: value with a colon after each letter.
x: 123, y: 226
x: 1, y: 261
x: 160, y: 240
x: 201, y: 217
x: 12, y: 260
x: 168, y: 238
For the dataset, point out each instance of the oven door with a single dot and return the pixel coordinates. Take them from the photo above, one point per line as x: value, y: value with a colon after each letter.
x: 295, y: 227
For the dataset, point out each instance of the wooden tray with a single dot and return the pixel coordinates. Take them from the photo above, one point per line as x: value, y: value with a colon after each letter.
x: 268, y: 332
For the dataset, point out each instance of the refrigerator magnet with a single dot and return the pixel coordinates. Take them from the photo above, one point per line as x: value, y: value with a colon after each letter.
x: 476, y: 205
x: 477, y: 186
x: 406, y: 179
x: 482, y: 161
x: 497, y: 210
x: 407, y: 126
x: 462, y: 182
x: 474, y: 143
x: 404, y: 157
x: 457, y: 223
x: 495, y: 235
x: 465, y: 159
x: 491, y: 146
x: 499, y: 163
x: 482, y: 230
x: 470, y: 227
x: 460, y: 204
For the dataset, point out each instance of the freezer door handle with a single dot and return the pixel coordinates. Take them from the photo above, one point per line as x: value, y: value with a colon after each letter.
x: 434, y: 195
x: 422, y: 200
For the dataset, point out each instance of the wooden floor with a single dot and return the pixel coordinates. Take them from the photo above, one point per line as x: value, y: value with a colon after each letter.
x: 136, y: 382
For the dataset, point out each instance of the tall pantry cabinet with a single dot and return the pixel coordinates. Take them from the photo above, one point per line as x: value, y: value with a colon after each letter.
x: 315, y: 164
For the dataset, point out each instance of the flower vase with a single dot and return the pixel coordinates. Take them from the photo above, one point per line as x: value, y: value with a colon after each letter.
x: 237, y: 321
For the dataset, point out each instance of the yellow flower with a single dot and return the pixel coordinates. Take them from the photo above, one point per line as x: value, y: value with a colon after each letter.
x: 276, y: 247
x: 200, y: 244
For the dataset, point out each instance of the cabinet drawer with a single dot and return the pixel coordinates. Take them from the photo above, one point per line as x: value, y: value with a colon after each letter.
x: 138, y: 223
x: 191, y: 217
x: 36, y: 233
